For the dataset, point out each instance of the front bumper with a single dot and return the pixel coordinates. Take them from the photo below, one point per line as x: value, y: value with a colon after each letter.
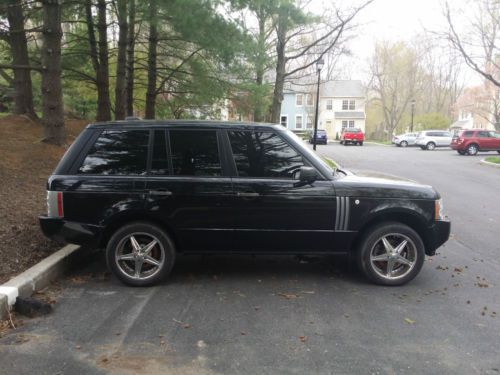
x: 69, y: 231
x: 439, y: 234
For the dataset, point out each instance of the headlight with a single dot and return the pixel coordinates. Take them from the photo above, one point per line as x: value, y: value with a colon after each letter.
x: 438, y: 210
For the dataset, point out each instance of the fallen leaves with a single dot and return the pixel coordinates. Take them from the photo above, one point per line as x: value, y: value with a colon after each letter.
x: 303, y: 338
x: 409, y: 321
x: 183, y: 324
x: 288, y: 295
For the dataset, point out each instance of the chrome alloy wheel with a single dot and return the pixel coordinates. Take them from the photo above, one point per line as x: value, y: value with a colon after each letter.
x: 393, y: 256
x: 140, y: 256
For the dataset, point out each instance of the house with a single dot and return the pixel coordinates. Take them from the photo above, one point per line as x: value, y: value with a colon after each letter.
x: 474, y: 109
x: 341, y: 105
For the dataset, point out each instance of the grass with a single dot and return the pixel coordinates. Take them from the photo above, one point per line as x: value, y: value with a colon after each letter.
x: 493, y: 159
x: 330, y: 162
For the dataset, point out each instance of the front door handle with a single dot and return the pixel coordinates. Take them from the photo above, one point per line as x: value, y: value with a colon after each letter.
x: 247, y: 194
x: 166, y: 193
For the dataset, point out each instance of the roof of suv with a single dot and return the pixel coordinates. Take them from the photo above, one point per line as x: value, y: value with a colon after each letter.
x: 174, y: 123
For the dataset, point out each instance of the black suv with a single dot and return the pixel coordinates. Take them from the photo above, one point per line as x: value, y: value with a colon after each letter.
x: 149, y: 190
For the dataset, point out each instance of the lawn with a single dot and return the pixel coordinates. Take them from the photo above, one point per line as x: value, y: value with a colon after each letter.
x: 493, y: 159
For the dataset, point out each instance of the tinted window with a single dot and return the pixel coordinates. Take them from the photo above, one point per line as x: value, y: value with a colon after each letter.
x: 159, y: 159
x: 467, y: 134
x: 352, y: 130
x: 482, y: 134
x: 118, y: 152
x: 195, y: 153
x: 263, y: 154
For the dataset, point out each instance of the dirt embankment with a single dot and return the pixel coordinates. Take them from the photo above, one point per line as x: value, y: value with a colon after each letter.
x: 25, y: 164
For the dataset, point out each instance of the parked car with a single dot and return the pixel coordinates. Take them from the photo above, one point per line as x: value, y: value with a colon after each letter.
x: 321, y: 136
x: 352, y: 135
x: 430, y: 139
x: 148, y: 191
x: 469, y: 142
x: 405, y: 140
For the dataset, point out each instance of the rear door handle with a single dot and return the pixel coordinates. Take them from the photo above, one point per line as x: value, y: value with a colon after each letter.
x: 166, y: 193
x: 245, y: 194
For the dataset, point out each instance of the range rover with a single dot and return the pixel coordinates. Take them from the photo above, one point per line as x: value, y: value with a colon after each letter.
x: 147, y: 191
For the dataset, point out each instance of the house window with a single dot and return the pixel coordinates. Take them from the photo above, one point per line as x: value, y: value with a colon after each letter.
x: 352, y: 105
x: 351, y: 123
x: 299, y: 98
x: 345, y: 105
x: 344, y: 124
x: 329, y: 104
x: 309, y: 123
x: 284, y: 120
x: 298, y: 122
x: 309, y: 100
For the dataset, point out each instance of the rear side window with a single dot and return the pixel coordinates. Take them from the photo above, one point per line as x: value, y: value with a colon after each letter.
x: 264, y: 155
x: 159, y: 158
x: 118, y: 152
x: 483, y: 134
x: 195, y: 153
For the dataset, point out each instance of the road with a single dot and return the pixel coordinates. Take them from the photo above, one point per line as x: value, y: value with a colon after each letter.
x: 244, y: 315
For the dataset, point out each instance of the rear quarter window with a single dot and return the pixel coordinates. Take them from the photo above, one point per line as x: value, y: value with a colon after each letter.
x: 467, y: 134
x: 117, y: 152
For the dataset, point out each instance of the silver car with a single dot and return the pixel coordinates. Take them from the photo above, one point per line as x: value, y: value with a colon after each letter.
x: 430, y: 139
x: 405, y: 140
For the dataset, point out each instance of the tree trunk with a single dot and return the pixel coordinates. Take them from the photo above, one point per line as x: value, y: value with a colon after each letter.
x: 130, y: 58
x: 52, y: 100
x: 121, y: 64
x: 104, y: 104
x: 23, y: 91
x: 258, y: 116
x: 280, y: 68
x: 152, y: 74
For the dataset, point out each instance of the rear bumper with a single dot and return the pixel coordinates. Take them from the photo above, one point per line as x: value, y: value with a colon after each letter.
x: 70, y: 231
x: 458, y: 147
x: 439, y: 234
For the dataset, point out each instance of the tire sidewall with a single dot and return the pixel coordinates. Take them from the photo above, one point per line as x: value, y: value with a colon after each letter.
x: 152, y: 229
x: 430, y: 146
x: 373, y: 235
x: 404, y: 144
x: 474, y: 152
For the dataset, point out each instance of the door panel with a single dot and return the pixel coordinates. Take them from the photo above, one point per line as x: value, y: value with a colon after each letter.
x: 274, y: 215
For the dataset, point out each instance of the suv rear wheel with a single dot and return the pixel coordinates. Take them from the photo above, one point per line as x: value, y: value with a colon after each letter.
x: 391, y: 254
x: 361, y: 143
x: 403, y: 144
x: 472, y: 149
x: 140, y: 254
x: 430, y: 146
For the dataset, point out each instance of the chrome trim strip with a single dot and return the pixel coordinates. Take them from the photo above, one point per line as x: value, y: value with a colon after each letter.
x: 337, y: 213
x: 342, y: 213
x: 347, y: 212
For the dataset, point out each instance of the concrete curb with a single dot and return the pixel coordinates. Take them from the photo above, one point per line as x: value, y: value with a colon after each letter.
x: 39, y: 276
x: 379, y: 144
x: 494, y: 165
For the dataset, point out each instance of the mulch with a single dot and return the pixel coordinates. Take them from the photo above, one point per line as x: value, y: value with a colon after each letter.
x: 25, y: 164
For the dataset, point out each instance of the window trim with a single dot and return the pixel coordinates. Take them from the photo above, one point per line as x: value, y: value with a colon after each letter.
x: 331, y: 104
x: 296, y: 99
x: 312, y: 100
x: 301, y: 122
x: 346, y: 101
x: 284, y: 115
x: 353, y: 102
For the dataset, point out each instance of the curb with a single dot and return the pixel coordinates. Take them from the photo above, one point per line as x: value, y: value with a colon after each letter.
x: 494, y: 165
x: 38, y: 277
x: 379, y: 144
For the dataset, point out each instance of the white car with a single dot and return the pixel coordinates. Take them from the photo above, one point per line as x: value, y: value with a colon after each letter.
x: 430, y: 139
x: 405, y: 140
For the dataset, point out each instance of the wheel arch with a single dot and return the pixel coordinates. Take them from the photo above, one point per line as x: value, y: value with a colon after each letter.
x: 124, y: 218
x: 407, y: 217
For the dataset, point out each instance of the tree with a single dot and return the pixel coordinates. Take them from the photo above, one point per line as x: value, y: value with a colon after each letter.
x: 23, y: 91
x: 99, y: 57
x: 479, y: 43
x: 130, y: 58
x: 52, y: 100
x: 152, y: 55
x: 291, y: 31
x: 121, y: 64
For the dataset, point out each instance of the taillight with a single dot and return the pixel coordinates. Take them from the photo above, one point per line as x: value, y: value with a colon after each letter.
x: 55, y: 206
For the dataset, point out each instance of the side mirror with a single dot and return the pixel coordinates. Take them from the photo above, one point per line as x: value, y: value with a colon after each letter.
x: 307, y: 175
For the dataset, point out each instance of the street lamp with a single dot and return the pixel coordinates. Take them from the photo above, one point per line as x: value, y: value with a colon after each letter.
x: 319, y: 65
x: 412, y: 113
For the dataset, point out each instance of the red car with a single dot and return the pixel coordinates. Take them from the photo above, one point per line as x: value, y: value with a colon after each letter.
x: 352, y: 135
x: 469, y: 142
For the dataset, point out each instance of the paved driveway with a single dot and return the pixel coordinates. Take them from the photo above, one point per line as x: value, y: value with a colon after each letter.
x: 289, y: 315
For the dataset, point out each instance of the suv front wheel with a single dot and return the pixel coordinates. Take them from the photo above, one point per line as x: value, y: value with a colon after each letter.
x: 472, y: 149
x: 140, y: 254
x: 430, y: 146
x: 391, y: 254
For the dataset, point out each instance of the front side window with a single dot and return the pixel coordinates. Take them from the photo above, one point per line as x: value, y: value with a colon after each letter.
x: 118, y: 152
x: 195, y: 153
x: 298, y: 122
x: 299, y: 99
x: 345, y: 105
x: 263, y: 155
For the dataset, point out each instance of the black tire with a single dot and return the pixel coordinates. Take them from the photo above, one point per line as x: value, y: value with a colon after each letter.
x: 472, y: 149
x: 403, y: 144
x: 121, y: 244
x: 422, y: 147
x: 372, y: 244
x: 361, y: 143
x: 498, y: 151
x: 341, y: 142
x: 430, y: 146
x: 461, y: 152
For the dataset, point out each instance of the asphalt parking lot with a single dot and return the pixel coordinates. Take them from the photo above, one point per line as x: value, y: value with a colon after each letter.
x: 268, y: 315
